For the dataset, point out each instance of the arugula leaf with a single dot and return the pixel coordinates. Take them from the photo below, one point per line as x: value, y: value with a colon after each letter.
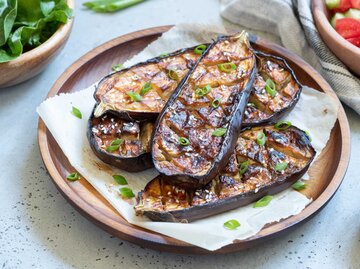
x: 110, y: 5
x: 36, y: 21
x: 8, y: 11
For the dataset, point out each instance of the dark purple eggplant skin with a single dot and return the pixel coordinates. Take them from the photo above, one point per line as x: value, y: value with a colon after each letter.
x: 286, y: 110
x: 130, y: 164
x: 189, y: 181
x: 223, y: 205
x: 134, y: 115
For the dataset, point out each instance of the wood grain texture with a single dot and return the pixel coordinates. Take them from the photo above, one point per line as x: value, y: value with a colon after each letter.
x: 326, y: 173
x: 31, y: 63
x: 348, y: 53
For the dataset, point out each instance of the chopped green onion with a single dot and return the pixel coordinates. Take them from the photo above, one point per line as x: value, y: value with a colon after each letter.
x: 299, y: 185
x: 251, y: 104
x: 219, y: 132
x: 183, y: 141
x: 126, y: 192
x: 261, y: 138
x: 162, y: 55
x: 216, y: 103
x: 281, y: 166
x: 134, y: 96
x: 173, y: 74
x: 73, y: 177
x: 76, y: 112
x: 203, y: 91
x: 117, y: 67
x: 231, y: 224
x: 282, y: 125
x: 244, y: 167
x: 114, y: 145
x: 263, y: 201
x: 270, y: 87
x: 227, y: 67
x: 308, y: 134
x: 120, y: 179
x: 200, y: 49
x: 147, y: 87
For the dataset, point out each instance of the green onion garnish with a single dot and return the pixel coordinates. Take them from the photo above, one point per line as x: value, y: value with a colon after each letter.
x: 73, y: 177
x: 117, y: 67
x: 263, y: 201
x: 120, y: 179
x: 76, y: 112
x: 270, y: 87
x: 134, y: 96
x: 231, y: 224
x: 219, y: 132
x: 162, y: 55
x: 203, y: 91
x: 244, y: 167
x: 281, y: 166
x: 114, y: 145
x: 227, y: 67
x: 299, y: 185
x: 126, y: 192
x: 282, y: 125
x: 216, y: 103
x: 183, y: 141
x: 261, y: 138
x: 173, y: 74
x: 308, y: 135
x: 147, y: 87
x: 200, y: 49
x: 251, y: 104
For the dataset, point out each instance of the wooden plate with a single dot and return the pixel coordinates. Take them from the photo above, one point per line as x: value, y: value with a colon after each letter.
x: 327, y: 172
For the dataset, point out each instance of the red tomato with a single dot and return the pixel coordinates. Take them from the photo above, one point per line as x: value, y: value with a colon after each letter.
x: 344, y: 6
x: 348, y: 27
x: 355, y: 4
x: 355, y: 41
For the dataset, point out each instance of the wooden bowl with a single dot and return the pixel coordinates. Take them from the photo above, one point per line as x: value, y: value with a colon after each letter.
x: 348, y: 53
x: 326, y: 173
x: 31, y: 63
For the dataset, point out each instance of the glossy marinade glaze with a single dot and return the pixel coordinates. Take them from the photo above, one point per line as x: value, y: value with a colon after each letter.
x: 152, y: 82
x: 197, y: 130
x: 252, y: 172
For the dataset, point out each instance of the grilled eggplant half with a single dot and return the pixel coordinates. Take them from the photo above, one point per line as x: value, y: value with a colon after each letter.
x: 197, y: 130
x: 123, y: 144
x: 141, y: 91
x: 275, y: 91
x: 265, y: 161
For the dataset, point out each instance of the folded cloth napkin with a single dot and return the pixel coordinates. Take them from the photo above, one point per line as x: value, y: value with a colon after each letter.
x: 292, y: 22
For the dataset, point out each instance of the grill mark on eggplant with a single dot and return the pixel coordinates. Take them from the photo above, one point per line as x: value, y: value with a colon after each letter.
x: 133, y: 153
x: 230, y: 189
x: 197, y: 163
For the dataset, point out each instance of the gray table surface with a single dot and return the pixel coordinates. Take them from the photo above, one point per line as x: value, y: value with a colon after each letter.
x: 39, y: 229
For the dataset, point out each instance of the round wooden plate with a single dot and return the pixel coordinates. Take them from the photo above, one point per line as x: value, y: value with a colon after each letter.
x: 327, y: 173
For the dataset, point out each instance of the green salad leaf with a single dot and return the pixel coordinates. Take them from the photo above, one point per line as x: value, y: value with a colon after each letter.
x: 34, y: 21
x: 110, y: 5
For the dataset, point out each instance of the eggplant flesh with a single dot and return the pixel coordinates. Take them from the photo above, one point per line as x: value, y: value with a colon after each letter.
x: 133, y: 153
x: 234, y: 186
x: 225, y: 71
x: 262, y: 107
x: 160, y: 76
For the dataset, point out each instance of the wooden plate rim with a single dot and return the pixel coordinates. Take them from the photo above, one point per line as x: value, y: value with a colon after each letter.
x: 146, y: 238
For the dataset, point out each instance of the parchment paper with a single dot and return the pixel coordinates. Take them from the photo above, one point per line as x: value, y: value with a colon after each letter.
x: 315, y: 112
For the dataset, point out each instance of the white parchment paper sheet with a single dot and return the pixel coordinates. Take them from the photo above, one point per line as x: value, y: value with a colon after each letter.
x: 315, y: 112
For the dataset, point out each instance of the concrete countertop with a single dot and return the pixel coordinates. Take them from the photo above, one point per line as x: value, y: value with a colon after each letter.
x: 39, y: 229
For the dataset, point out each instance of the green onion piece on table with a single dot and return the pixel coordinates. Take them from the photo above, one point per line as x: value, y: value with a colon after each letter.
x: 299, y: 185
x: 126, y: 192
x: 76, y: 112
x: 117, y: 67
x: 105, y: 6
